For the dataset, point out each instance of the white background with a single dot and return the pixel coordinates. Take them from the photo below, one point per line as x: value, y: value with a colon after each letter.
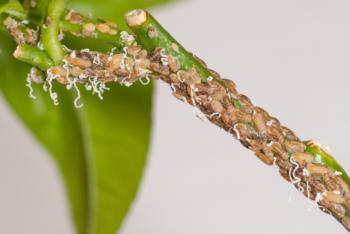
x: 290, y: 56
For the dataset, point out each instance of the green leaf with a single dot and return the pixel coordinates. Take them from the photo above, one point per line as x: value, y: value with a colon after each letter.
x: 100, y: 149
x: 57, y: 128
x: 13, y: 7
x: 118, y: 145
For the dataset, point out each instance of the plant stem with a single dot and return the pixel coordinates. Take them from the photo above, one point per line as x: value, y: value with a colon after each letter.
x: 50, y: 30
x: 307, y: 166
x: 34, y: 56
x: 150, y: 34
x: 322, y: 157
x: 78, y: 30
x: 68, y: 27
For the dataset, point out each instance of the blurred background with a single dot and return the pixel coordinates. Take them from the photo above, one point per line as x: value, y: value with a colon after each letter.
x: 291, y: 57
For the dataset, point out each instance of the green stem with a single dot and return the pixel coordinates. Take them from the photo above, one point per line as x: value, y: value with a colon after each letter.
x: 77, y: 29
x: 324, y: 158
x: 67, y: 27
x: 150, y: 34
x: 51, y: 30
x: 34, y: 56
